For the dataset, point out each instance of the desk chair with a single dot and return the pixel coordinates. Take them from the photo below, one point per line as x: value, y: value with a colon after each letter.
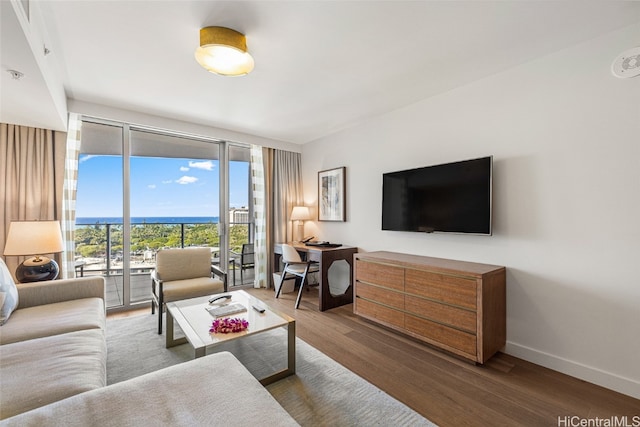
x: 294, y: 265
x: 182, y: 274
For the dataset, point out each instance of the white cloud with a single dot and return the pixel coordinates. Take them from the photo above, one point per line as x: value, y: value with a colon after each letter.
x: 206, y: 165
x: 183, y: 168
x: 167, y: 181
x: 187, y: 180
x: 151, y: 186
x: 86, y: 157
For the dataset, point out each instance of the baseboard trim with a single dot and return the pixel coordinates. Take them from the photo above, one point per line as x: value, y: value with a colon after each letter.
x: 590, y: 374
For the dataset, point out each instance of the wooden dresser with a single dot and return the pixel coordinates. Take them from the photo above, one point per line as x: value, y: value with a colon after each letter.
x: 457, y: 306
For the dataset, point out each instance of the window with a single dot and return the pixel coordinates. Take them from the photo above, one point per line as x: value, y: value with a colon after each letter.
x: 168, y: 191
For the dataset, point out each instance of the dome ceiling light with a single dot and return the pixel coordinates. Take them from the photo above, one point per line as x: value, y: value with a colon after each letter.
x: 224, y: 51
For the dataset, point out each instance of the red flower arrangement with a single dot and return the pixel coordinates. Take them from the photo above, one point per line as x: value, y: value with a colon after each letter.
x: 227, y: 325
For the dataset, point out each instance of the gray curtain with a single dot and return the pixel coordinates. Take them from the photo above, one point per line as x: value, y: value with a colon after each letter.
x: 283, y: 188
x: 267, y: 163
x: 287, y: 192
x: 31, y: 178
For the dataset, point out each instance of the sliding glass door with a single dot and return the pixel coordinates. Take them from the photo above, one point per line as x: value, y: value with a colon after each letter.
x: 141, y: 190
x: 241, y: 224
x: 174, y: 193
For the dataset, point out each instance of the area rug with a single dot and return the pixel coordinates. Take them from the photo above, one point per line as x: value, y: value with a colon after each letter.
x: 322, y: 393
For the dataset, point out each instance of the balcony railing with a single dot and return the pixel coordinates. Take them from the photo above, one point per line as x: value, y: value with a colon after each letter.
x: 99, y: 252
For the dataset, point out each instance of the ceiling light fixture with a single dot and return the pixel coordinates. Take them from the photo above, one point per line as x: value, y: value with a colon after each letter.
x: 224, y: 51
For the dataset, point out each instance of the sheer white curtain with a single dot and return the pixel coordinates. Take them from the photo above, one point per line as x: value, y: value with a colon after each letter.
x: 259, y: 213
x: 31, y: 175
x: 70, y: 186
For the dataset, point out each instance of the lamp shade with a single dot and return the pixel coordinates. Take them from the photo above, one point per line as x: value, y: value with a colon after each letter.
x: 300, y: 213
x: 224, y: 51
x: 34, y: 238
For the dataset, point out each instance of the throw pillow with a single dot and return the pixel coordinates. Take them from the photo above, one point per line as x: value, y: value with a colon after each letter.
x: 8, y: 286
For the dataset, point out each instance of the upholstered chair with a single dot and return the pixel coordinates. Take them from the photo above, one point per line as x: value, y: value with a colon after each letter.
x: 182, y: 274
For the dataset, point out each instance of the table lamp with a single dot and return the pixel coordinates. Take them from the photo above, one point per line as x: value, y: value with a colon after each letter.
x: 300, y: 214
x: 35, y: 238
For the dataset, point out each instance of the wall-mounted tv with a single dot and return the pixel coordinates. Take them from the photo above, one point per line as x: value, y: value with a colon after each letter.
x: 451, y: 198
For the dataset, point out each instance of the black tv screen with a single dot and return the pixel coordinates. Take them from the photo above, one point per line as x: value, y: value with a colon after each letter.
x: 452, y: 198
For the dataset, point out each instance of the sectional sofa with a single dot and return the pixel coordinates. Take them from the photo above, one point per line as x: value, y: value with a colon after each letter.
x: 53, y: 356
x: 53, y: 345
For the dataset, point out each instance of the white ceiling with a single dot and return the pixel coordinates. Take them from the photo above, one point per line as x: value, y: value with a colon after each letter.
x: 320, y: 65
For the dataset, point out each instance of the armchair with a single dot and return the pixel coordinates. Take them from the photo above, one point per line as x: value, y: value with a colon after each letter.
x: 182, y: 274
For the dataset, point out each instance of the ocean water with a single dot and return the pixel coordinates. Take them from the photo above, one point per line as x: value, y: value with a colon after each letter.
x: 149, y: 220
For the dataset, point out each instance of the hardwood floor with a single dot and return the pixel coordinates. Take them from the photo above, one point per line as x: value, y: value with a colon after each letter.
x: 506, y: 391
x: 444, y: 389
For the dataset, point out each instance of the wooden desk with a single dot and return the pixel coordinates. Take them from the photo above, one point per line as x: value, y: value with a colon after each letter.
x: 325, y: 257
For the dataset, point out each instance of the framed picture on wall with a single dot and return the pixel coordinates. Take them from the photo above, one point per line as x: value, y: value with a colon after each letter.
x: 331, y: 195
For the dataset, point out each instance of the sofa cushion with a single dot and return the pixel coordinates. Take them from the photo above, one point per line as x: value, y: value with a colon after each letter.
x: 52, y: 319
x: 8, y: 287
x: 52, y: 291
x: 41, y: 371
x: 211, y: 390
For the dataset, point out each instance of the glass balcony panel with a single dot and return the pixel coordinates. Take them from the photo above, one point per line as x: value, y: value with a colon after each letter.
x: 240, y: 213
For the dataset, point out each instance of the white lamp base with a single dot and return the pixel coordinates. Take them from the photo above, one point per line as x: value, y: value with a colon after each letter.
x: 300, y: 232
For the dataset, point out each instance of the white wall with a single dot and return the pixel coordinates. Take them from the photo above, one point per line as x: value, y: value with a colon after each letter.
x: 565, y: 136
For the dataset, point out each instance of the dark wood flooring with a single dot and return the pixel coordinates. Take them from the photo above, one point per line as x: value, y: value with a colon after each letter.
x: 448, y: 391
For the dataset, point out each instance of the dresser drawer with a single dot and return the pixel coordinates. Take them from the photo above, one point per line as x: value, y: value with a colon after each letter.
x: 454, y: 338
x: 380, y: 274
x: 441, y: 313
x: 454, y: 290
x: 458, y: 306
x: 380, y: 295
x: 379, y: 312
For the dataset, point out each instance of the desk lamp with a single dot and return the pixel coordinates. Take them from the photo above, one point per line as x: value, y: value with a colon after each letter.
x: 300, y: 214
x: 35, y: 238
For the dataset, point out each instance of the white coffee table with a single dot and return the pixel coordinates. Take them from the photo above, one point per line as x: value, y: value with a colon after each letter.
x: 195, y: 322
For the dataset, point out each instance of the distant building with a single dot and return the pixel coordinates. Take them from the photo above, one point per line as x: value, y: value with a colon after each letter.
x: 239, y: 215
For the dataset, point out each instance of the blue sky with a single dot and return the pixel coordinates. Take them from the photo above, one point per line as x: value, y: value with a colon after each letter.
x: 161, y: 187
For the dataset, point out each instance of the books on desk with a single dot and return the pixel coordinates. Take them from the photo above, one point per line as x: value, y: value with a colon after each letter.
x: 323, y: 244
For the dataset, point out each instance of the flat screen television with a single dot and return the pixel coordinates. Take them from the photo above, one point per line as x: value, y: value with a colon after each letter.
x: 450, y: 198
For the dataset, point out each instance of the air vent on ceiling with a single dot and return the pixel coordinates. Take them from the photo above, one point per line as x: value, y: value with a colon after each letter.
x: 627, y: 64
